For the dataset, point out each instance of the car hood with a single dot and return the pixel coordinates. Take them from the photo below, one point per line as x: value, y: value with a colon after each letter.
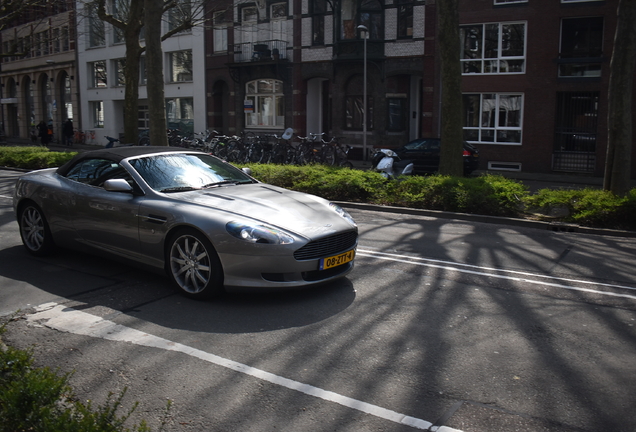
x: 303, y: 214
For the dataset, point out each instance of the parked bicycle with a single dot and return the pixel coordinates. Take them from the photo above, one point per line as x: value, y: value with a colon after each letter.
x: 307, y: 151
x: 335, y: 153
x: 282, y: 151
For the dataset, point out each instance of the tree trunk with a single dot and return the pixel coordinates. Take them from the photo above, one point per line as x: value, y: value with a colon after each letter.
x: 131, y: 96
x: 154, y: 68
x: 619, y: 125
x: 451, y: 162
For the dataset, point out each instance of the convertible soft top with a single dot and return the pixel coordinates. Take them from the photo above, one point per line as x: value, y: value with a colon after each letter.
x: 116, y: 154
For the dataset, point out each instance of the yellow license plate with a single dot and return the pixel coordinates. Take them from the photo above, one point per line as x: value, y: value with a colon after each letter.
x: 336, y: 260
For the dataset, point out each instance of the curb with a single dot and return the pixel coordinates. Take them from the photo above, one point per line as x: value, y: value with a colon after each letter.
x: 524, y: 223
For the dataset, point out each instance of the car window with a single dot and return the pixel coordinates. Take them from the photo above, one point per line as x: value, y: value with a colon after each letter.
x: 414, y: 145
x: 96, y: 171
x: 432, y: 145
x: 181, y: 172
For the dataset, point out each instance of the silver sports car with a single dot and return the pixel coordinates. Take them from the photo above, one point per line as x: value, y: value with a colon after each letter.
x: 208, y: 224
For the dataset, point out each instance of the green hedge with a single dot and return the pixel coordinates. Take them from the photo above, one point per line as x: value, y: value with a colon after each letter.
x: 32, y: 157
x: 492, y: 195
x: 40, y: 400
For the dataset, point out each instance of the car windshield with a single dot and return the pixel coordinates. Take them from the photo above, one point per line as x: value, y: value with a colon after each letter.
x: 178, y: 172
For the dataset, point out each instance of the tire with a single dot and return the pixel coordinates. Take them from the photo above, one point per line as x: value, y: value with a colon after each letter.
x: 305, y: 155
x: 220, y: 150
x: 193, y: 265
x: 256, y: 153
x: 34, y: 230
x: 234, y: 151
x: 328, y: 156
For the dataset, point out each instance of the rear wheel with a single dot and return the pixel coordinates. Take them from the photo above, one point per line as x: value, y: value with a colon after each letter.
x: 235, y: 151
x: 35, y: 232
x: 256, y: 153
x: 328, y: 155
x: 193, y: 265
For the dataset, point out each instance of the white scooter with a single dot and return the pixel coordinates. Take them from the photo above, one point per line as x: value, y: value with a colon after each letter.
x: 388, y: 163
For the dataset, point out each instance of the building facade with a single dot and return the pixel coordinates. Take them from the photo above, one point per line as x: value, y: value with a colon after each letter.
x: 38, y: 73
x: 535, y: 83
x: 101, y: 51
x: 300, y: 64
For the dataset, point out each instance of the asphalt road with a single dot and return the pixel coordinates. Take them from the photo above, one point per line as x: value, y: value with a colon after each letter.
x: 444, y: 322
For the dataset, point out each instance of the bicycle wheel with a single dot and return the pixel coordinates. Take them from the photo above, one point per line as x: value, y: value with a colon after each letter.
x: 305, y: 154
x: 235, y: 151
x: 220, y: 149
x: 328, y: 155
x: 256, y: 153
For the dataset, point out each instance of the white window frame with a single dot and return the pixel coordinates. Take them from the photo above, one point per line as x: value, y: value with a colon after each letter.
x: 180, y: 110
x: 494, y: 66
x: 95, y: 82
x: 252, y: 17
x: 495, y: 129
x: 97, y: 114
x: 174, y: 73
x: 96, y: 32
x: 278, y: 24
x: 220, y: 32
x: 119, y: 78
x: 505, y: 2
x: 265, y: 104
x: 577, y: 1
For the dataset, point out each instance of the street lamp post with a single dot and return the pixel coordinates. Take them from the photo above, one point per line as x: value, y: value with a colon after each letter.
x: 364, y: 95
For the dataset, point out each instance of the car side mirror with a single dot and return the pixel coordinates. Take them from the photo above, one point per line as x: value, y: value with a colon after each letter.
x: 117, y: 185
x: 247, y: 171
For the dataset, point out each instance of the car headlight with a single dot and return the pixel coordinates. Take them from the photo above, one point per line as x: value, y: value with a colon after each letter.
x: 255, y: 233
x: 342, y: 212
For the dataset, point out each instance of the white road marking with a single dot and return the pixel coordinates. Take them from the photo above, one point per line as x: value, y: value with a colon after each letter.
x: 482, y: 271
x: 69, y: 320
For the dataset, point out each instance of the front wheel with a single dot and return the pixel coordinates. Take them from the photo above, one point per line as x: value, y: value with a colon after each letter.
x: 193, y: 265
x: 35, y: 232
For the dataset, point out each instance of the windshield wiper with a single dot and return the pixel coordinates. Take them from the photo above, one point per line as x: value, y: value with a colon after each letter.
x: 179, y: 189
x: 226, y: 182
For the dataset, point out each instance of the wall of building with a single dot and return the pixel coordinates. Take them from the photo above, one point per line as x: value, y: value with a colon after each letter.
x: 540, y: 85
x: 113, y: 95
x: 33, y: 86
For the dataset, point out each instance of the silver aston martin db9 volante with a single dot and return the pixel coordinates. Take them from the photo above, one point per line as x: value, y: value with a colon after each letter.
x: 208, y: 224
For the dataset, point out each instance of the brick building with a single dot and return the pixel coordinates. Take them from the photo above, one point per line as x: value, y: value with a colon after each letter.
x: 535, y: 81
x: 535, y: 75
x: 38, y: 69
x: 300, y: 64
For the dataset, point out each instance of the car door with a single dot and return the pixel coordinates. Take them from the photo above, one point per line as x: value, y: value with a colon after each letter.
x: 424, y: 153
x: 106, y: 220
x: 429, y: 156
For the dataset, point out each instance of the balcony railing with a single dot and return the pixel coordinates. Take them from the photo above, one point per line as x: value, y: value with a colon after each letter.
x: 260, y: 51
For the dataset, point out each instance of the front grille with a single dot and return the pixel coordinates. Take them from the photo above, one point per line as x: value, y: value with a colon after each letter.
x: 327, y: 246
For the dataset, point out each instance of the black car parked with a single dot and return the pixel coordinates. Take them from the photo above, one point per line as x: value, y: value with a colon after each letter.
x: 425, y: 152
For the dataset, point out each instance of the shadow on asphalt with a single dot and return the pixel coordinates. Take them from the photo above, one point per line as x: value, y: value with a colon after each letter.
x: 89, y: 281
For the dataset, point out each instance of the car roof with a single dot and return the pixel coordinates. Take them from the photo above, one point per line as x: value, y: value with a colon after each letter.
x: 117, y: 154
